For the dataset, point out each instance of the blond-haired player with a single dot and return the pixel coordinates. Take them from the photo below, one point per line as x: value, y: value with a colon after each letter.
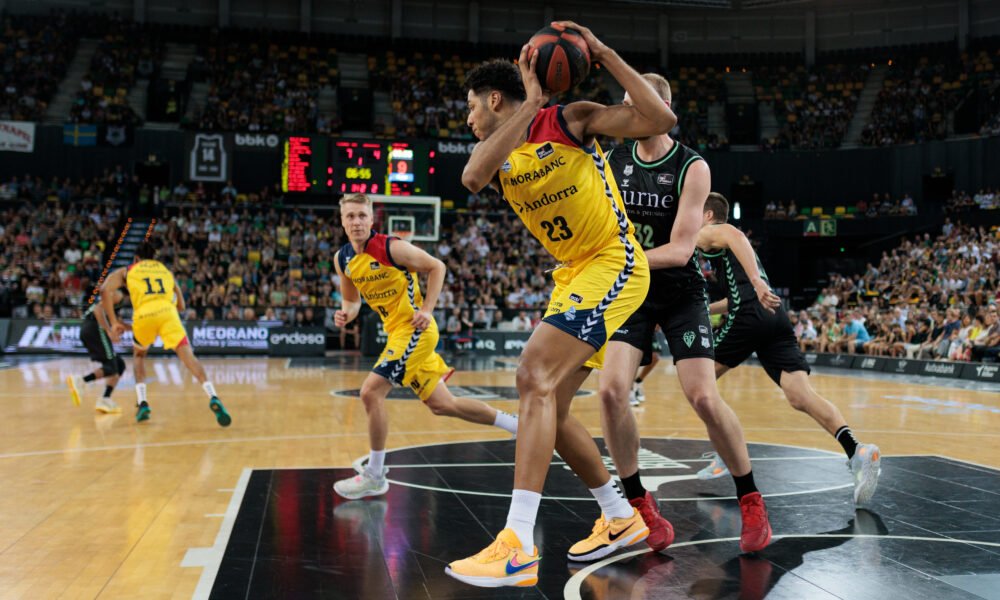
x: 383, y: 270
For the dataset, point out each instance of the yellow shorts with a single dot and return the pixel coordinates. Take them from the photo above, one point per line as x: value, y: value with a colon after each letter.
x: 592, y: 299
x: 160, y: 319
x: 423, y: 368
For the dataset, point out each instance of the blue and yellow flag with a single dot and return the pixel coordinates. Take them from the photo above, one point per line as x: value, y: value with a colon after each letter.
x: 75, y: 134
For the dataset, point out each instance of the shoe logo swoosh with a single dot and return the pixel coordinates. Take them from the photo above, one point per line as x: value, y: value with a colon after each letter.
x: 614, y: 536
x: 513, y: 566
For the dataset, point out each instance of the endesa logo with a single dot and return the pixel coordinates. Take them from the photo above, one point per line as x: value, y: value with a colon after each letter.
x: 298, y: 339
x: 257, y: 140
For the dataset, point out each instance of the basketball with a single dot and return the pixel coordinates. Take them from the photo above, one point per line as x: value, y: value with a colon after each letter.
x: 563, y: 58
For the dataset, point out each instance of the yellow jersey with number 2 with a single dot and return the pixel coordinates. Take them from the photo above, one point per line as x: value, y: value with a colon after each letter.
x: 557, y: 186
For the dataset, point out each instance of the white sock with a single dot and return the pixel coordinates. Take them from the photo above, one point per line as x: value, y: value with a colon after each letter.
x: 612, y: 502
x: 506, y: 421
x: 521, y: 517
x: 209, y: 389
x: 376, y: 460
x: 140, y: 393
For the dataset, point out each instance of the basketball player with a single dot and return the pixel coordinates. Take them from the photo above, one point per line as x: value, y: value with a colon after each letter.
x: 383, y: 270
x: 552, y: 172
x: 156, y: 307
x: 664, y: 185
x: 94, y: 335
x: 749, y: 328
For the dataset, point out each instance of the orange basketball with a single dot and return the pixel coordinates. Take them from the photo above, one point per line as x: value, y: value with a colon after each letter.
x: 563, y: 58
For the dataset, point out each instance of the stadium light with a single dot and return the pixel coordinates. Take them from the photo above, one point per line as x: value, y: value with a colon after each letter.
x: 736, y: 211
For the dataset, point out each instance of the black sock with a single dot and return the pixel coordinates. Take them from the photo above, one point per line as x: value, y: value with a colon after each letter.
x: 107, y: 390
x: 638, y: 379
x: 744, y: 485
x: 633, y: 487
x: 846, y: 438
x: 89, y: 377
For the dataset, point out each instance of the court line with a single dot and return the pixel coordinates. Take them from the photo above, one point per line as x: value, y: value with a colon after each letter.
x: 591, y: 498
x: 228, y: 441
x: 59, y: 451
x: 571, y: 591
x: 209, y: 559
x: 678, y: 460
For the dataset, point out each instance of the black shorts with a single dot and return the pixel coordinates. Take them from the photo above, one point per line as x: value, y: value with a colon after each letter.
x: 684, y: 322
x: 752, y: 329
x: 97, y: 343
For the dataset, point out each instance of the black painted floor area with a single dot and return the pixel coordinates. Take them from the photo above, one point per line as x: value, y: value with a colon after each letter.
x: 294, y: 538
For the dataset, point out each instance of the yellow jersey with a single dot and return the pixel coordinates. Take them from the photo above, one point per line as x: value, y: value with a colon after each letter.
x: 150, y: 285
x: 563, y: 191
x: 391, y: 290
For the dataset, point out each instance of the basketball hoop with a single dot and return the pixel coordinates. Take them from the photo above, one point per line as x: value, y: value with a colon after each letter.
x: 402, y: 227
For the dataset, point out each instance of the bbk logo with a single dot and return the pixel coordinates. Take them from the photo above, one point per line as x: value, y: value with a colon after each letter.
x: 456, y: 147
x: 868, y: 363
x: 257, y: 140
x: 665, y: 179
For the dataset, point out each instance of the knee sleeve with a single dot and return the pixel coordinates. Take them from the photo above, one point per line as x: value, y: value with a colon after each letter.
x: 119, y: 365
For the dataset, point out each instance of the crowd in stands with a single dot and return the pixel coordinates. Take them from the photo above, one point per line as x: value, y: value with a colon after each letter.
x: 427, y: 94
x: 693, y: 91
x: 931, y: 297
x: 34, y: 54
x: 264, y: 86
x: 127, y: 51
x: 50, y: 259
x: 813, y: 106
x: 984, y: 199
x: 251, y: 259
x: 919, y: 91
x: 274, y: 84
x: 879, y: 206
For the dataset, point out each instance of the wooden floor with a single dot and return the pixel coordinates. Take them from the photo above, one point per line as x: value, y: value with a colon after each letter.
x: 100, y: 507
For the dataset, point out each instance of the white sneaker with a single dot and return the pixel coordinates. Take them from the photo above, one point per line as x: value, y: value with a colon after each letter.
x: 362, y: 485
x: 107, y: 406
x: 632, y: 400
x: 716, y: 467
x: 866, y: 466
x: 640, y: 396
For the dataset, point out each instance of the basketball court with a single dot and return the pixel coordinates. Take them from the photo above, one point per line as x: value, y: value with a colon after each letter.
x: 97, y: 506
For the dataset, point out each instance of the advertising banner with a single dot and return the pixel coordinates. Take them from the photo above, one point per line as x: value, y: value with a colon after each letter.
x: 28, y: 336
x: 17, y: 136
x: 297, y: 341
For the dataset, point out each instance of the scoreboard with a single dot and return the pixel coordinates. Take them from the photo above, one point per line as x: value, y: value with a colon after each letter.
x: 321, y: 165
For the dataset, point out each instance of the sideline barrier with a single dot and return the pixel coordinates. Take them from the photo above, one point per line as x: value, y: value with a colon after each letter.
x: 908, y: 366
x: 483, y: 341
x: 62, y: 336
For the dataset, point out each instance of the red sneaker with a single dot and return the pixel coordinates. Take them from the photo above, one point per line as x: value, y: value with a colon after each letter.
x: 756, y: 534
x: 661, y: 532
